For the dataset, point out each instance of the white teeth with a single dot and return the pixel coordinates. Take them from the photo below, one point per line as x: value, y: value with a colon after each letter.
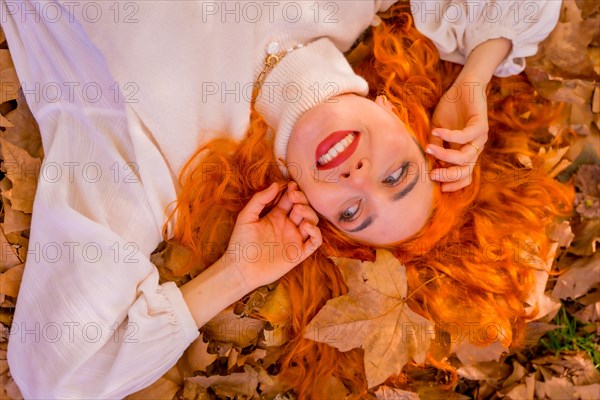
x: 336, y: 149
x: 340, y: 146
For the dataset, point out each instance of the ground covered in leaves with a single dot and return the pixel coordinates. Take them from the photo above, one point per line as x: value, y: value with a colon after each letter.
x: 561, y: 357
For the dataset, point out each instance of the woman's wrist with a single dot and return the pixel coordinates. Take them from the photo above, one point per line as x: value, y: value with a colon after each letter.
x: 484, y: 59
x: 216, y: 288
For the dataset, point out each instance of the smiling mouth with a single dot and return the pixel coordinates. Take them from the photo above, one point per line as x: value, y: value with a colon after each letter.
x: 336, y: 148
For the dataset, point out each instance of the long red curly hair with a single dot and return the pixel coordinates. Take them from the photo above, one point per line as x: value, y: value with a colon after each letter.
x: 472, y: 262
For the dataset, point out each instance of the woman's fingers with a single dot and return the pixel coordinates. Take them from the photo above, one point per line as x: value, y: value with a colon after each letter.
x: 452, y: 135
x: 436, y: 139
x: 312, y: 238
x: 292, y: 196
x: 302, y: 212
x: 298, y: 196
x: 285, y: 203
x: 251, y: 212
x: 453, y: 178
x: 453, y: 186
x: 454, y: 173
x: 458, y: 157
x: 473, y: 136
x: 462, y: 136
x: 467, y: 153
x: 297, y: 206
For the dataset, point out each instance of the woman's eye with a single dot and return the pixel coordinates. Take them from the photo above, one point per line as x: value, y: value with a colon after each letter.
x: 394, y: 178
x: 350, y: 213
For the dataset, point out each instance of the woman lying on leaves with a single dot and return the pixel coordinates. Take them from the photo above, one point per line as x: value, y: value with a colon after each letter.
x: 335, y: 163
x: 456, y: 233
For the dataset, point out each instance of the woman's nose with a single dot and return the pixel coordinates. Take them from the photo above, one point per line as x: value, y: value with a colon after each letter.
x: 357, y: 171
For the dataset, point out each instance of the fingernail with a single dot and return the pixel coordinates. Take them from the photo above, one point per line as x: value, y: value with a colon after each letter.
x: 435, y: 133
x: 429, y: 150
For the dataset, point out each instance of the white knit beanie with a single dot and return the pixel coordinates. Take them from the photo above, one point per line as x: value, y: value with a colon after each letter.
x: 302, y: 79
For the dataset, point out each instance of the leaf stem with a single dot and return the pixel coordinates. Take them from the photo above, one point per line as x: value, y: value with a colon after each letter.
x: 423, y: 284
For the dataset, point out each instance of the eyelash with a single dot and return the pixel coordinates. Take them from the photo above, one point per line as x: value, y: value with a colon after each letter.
x: 342, y: 218
x: 402, y: 170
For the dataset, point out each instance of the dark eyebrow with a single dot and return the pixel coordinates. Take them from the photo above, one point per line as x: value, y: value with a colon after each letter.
x: 397, y: 196
x: 402, y: 193
x: 368, y: 221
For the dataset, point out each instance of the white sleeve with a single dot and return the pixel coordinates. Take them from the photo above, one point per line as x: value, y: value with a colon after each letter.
x: 384, y: 5
x: 456, y: 27
x: 91, y: 319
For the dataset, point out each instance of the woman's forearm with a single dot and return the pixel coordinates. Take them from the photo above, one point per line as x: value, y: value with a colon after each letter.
x: 213, y: 290
x: 485, y: 58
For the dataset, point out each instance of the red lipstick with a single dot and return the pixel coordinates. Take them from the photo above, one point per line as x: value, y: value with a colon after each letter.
x: 331, y: 140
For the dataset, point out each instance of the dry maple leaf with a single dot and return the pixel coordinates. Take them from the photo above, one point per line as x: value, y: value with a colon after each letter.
x: 547, y: 306
x: 469, y: 353
x: 373, y: 315
x: 21, y: 127
x: 227, y: 327
x: 251, y: 358
x: 576, y: 364
x: 161, y: 389
x: 561, y: 233
x: 535, y: 330
x: 587, y: 236
x: 236, y: 384
x: 517, y: 374
x: 388, y: 393
x: 164, y: 387
x: 12, y: 390
x: 8, y: 77
x: 524, y: 391
x: 555, y: 389
x: 14, y: 220
x: 588, y: 392
x: 331, y: 388
x: 9, y: 257
x: 564, y: 51
x: 10, y: 281
x: 579, y: 278
x: 590, y: 314
x: 277, y: 306
x: 491, y: 371
x: 25, y: 133
x: 553, y: 160
x: 22, y: 170
x: 198, y: 356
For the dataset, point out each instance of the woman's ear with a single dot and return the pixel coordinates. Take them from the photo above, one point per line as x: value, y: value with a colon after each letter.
x: 383, y: 102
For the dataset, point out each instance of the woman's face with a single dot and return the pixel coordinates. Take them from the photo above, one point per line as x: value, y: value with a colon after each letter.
x: 361, y: 169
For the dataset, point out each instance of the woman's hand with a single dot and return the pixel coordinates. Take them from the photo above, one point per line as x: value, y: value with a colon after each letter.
x: 264, y: 249
x: 460, y: 118
x: 260, y: 251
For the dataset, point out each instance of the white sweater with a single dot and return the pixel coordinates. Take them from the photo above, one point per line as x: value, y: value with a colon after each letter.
x: 124, y: 92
